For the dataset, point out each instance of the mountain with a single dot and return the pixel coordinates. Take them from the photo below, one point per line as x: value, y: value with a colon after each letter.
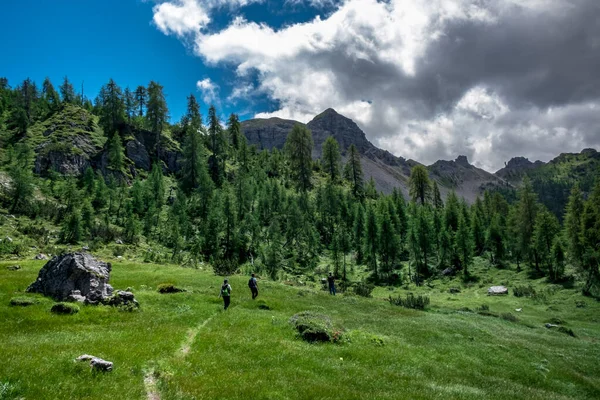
x: 387, y: 170
x: 552, y: 181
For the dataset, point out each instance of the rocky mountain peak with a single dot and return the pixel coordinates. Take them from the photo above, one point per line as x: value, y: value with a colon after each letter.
x: 462, y: 161
x: 518, y: 162
x: 345, y: 131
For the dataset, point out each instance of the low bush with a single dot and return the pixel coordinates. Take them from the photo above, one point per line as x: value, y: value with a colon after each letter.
x: 567, y: 331
x: 262, y: 305
x: 23, y: 301
x: 411, y: 301
x: 314, y: 327
x: 168, y: 288
x: 64, y: 308
x: 524, y: 291
x: 364, y: 289
x: 509, y: 317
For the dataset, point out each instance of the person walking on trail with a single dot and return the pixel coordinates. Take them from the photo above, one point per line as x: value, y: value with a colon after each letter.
x: 253, y: 285
x: 331, y: 282
x: 225, y: 294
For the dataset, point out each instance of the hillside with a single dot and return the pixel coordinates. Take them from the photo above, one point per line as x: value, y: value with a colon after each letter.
x: 387, y: 170
x: 183, y: 346
x: 552, y: 181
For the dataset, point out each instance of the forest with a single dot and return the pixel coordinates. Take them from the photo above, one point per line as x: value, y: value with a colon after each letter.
x: 229, y: 204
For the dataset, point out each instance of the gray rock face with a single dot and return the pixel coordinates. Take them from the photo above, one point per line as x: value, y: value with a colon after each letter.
x: 138, y: 154
x: 497, y: 290
x: 72, y: 276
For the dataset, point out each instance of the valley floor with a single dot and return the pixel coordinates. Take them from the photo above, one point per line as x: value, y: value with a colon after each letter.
x: 183, y: 346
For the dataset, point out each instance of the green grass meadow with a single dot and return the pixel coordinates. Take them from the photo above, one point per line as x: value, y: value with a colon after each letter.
x: 191, y: 349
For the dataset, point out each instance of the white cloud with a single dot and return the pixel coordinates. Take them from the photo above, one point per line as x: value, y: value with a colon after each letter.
x: 426, y: 79
x: 209, y: 91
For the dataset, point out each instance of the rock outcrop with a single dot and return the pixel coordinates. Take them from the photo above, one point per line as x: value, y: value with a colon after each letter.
x: 74, y: 274
x: 497, y: 291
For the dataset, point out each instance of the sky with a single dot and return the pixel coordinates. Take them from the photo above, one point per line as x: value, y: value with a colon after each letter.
x: 425, y: 79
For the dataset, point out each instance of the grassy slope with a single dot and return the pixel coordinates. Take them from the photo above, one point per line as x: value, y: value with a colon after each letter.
x: 252, y: 353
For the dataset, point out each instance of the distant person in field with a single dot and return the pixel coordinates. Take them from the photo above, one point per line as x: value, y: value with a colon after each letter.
x: 331, y: 283
x: 225, y: 294
x: 253, y: 285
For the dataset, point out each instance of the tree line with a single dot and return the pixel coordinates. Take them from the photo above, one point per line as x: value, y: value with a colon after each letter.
x: 280, y: 210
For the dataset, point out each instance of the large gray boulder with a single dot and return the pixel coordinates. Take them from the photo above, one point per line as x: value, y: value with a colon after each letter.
x: 74, y: 276
x: 497, y: 291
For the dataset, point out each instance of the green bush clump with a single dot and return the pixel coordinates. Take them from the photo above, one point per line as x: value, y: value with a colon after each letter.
x: 524, y: 291
x: 23, y: 301
x: 364, y: 289
x: 509, y: 317
x: 567, y: 331
x: 419, y: 302
x: 262, y: 305
x: 314, y: 327
x: 64, y: 308
x: 168, y: 288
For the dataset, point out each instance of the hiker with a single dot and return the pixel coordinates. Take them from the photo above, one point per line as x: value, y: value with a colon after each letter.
x: 331, y: 282
x: 253, y: 285
x: 225, y: 293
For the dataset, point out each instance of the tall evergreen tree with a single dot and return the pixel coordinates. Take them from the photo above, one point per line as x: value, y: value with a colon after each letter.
x: 464, y: 245
x: 573, y: 225
x: 129, y: 103
x: 527, y: 208
x: 234, y: 128
x: 331, y: 158
x: 216, y: 146
x: 590, y: 234
x: 438, y: 203
x: 116, y: 153
x: 51, y: 98
x: 157, y: 112
x: 359, y: 232
x: 112, y: 107
x: 194, y: 172
x: 420, y: 187
x: 298, y: 147
x: 67, y: 92
x: 544, y: 233
x: 371, y: 241
x: 353, y: 172
x: 141, y: 99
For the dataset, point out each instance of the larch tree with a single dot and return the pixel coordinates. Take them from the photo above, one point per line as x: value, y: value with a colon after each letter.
x: 331, y: 158
x: 157, y: 112
x: 298, y: 148
x: 420, y: 187
x: 353, y: 172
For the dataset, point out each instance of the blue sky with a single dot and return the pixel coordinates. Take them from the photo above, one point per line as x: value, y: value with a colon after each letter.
x: 92, y: 41
x: 424, y: 79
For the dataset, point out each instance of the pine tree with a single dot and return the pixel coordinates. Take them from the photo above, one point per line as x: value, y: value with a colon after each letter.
x: 544, y: 233
x: 420, y: 188
x: 527, y: 207
x: 67, y: 92
x: 558, y: 260
x: 51, y: 98
x: 298, y: 148
x: 389, y: 243
x: 371, y: 241
x: 464, y: 245
x: 156, y: 186
x: 573, y: 226
x: 116, y: 153
x: 129, y: 103
x: 87, y: 218
x: 157, y: 112
x: 141, y: 99
x: 495, y: 241
x: 359, y: 232
x: 216, y: 147
x: 332, y: 158
x: 234, y: 128
x: 21, y: 177
x: 72, y: 229
x: 89, y: 181
x: 112, y: 107
x: 353, y: 172
x: 420, y: 242
x: 371, y: 190
x: 194, y: 172
x: 590, y: 234
x: 438, y: 203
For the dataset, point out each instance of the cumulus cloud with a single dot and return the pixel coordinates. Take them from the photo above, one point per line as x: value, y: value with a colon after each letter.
x: 209, y: 91
x: 431, y: 79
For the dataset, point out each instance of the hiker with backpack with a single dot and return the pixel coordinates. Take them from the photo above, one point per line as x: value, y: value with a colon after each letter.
x: 225, y: 294
x: 331, y: 282
x: 253, y: 285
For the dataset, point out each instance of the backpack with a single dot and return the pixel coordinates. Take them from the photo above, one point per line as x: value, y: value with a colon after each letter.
x: 225, y: 291
x: 251, y: 283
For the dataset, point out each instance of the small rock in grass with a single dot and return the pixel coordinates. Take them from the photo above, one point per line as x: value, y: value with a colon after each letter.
x: 118, y: 241
x: 497, y: 290
x: 96, y: 363
x: 550, y: 326
x: 454, y: 290
x: 40, y: 256
x: 13, y: 267
x: 518, y: 309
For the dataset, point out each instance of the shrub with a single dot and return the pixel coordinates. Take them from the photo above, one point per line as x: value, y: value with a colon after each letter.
x: 262, y: 305
x: 555, y: 321
x: 509, y: 317
x: 23, y: 301
x: 224, y: 267
x: 580, y: 304
x: 314, y: 327
x: 566, y: 331
x: 524, y: 291
x: 168, y: 288
x: 415, y: 302
x: 364, y: 289
x: 64, y: 308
